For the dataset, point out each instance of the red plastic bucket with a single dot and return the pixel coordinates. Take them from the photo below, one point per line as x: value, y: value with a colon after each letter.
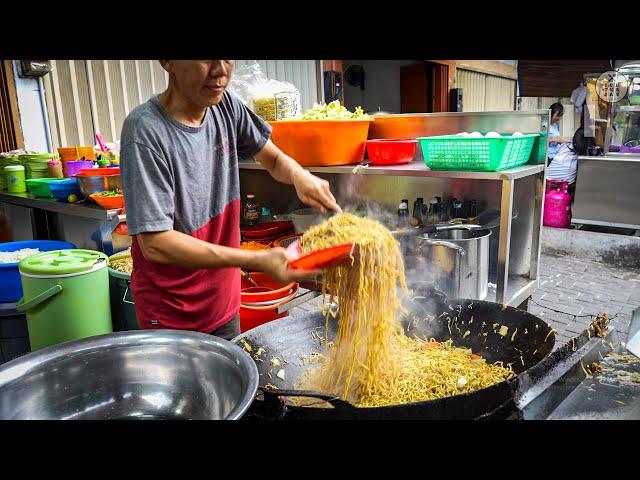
x: 274, y: 290
x: 254, y: 316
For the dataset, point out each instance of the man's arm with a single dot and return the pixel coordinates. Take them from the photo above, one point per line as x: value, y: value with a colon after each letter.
x: 312, y: 190
x: 175, y: 248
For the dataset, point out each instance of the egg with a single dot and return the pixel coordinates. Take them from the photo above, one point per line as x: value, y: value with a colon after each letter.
x: 476, y: 135
x: 516, y: 134
x: 493, y: 135
x: 463, y: 134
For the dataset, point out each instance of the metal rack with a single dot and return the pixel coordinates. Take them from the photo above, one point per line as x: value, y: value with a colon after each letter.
x: 85, y: 225
x: 517, y: 192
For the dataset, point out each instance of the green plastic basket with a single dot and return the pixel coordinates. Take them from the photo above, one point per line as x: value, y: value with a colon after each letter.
x: 451, y: 152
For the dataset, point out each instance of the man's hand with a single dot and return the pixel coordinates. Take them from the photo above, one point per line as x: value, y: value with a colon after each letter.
x: 275, y: 263
x: 314, y: 191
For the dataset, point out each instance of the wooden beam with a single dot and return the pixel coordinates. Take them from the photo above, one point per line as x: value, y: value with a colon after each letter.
x: 58, y: 106
x: 331, y: 65
x: 13, y: 102
x: 123, y: 83
x: 92, y: 98
x: 112, y: 119
x: 76, y: 102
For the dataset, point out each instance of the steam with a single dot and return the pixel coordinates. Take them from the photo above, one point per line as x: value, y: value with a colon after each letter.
x: 420, y: 303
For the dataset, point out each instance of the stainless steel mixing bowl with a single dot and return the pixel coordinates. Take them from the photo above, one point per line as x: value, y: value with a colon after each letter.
x: 151, y: 374
x: 98, y: 183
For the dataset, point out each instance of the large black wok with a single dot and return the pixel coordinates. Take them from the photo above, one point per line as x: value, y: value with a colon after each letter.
x: 431, y: 316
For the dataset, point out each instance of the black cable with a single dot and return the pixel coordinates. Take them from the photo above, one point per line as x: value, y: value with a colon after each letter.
x: 575, y: 317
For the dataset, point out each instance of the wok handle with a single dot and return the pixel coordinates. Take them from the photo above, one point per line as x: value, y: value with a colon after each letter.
x: 336, y: 402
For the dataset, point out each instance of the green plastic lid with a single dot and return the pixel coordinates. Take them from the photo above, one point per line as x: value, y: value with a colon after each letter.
x: 61, y: 262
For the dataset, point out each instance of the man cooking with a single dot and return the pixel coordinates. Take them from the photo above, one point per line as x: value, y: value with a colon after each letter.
x: 179, y: 163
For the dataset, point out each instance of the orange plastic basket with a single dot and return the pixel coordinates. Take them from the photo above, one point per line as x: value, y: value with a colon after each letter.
x: 76, y: 153
x: 321, y: 143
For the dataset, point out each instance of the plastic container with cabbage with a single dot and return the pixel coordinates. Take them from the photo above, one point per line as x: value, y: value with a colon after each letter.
x: 332, y: 111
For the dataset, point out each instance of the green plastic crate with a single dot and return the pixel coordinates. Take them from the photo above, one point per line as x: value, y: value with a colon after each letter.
x: 450, y: 152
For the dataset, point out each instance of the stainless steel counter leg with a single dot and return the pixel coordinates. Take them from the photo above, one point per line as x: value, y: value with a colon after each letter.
x: 506, y: 207
x: 537, y: 225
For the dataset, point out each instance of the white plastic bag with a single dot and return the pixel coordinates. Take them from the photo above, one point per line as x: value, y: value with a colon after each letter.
x: 270, y: 99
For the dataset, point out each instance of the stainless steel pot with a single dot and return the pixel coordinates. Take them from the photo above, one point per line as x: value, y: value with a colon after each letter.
x: 98, y: 183
x: 456, y: 260
x: 152, y: 374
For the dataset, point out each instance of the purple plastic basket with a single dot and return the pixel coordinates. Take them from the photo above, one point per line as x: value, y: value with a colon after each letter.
x: 76, y: 166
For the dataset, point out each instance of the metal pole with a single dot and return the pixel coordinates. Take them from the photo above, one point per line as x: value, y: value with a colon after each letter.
x: 506, y: 207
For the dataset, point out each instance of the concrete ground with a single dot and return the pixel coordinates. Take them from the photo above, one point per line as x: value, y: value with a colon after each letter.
x: 581, y: 289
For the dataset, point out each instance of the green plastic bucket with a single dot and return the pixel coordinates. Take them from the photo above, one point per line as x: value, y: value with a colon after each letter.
x: 4, y: 161
x: 122, y: 305
x: 66, y: 296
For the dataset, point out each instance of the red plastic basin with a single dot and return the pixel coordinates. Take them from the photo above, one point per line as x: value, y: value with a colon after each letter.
x: 254, y: 316
x: 268, y: 289
x: 391, y: 151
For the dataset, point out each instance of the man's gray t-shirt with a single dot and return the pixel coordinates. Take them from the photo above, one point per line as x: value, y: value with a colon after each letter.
x: 177, y: 177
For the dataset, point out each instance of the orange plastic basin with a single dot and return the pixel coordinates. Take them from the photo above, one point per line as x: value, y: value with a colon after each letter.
x: 108, y: 203
x: 322, y: 143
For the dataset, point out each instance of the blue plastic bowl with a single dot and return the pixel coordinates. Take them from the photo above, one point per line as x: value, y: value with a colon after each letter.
x: 10, y: 284
x: 63, y: 188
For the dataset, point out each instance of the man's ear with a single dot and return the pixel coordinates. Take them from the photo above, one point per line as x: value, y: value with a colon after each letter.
x: 167, y: 65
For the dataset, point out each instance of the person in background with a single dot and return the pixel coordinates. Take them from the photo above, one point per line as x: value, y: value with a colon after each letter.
x: 564, y: 166
x: 554, y: 139
x: 179, y: 158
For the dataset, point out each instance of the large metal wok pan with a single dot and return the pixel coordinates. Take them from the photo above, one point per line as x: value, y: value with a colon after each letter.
x: 432, y: 316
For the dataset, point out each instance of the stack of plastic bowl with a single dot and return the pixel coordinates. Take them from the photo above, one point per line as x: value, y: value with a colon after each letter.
x: 6, y: 161
x: 35, y: 164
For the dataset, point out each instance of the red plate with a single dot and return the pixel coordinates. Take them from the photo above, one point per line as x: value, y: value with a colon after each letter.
x: 325, y: 258
x: 90, y: 172
x: 267, y: 229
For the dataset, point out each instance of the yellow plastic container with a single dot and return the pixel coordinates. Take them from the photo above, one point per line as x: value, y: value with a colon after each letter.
x: 322, y: 143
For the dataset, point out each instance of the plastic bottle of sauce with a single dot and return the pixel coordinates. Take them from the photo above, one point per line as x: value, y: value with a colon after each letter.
x: 433, y: 216
x: 251, y: 210
x: 403, y: 214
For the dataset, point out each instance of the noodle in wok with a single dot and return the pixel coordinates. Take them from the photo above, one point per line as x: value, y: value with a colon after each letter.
x: 371, y: 362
